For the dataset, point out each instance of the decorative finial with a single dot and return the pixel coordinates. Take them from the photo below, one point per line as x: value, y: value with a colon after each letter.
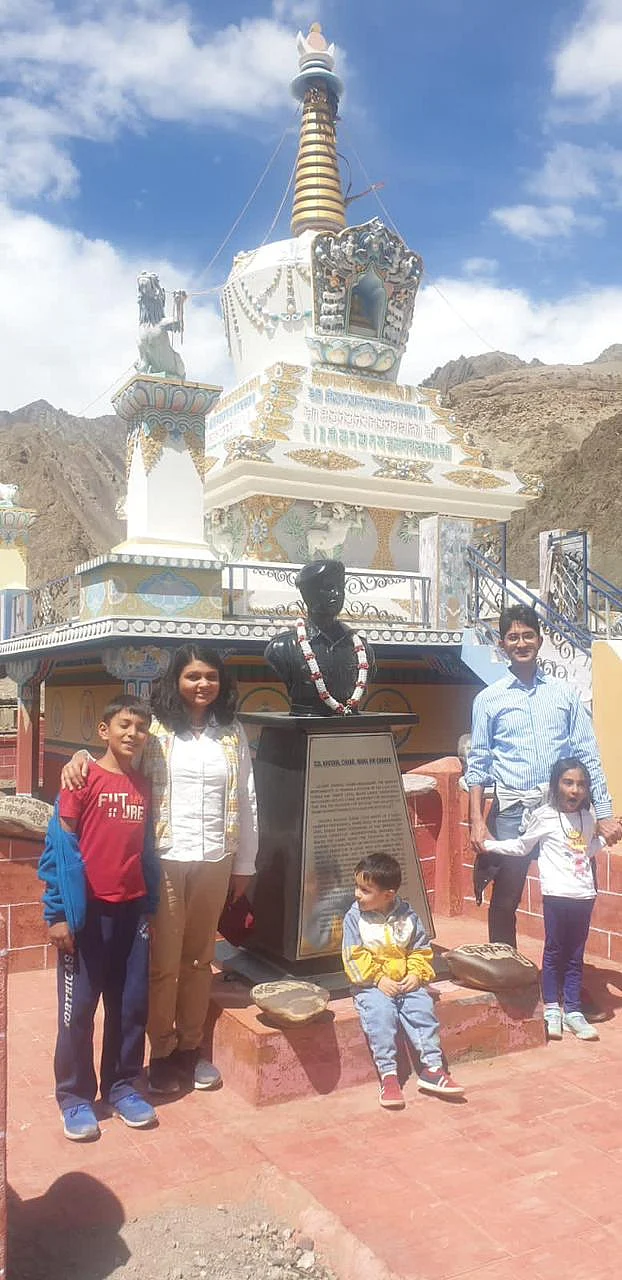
x: 318, y: 198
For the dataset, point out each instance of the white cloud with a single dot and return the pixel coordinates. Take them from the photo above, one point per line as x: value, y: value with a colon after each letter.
x: 588, y: 65
x: 543, y: 222
x: 567, y: 330
x: 68, y: 326
x: 480, y: 266
x: 92, y: 71
x: 69, y: 321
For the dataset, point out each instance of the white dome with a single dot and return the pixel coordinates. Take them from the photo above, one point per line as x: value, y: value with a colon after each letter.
x: 267, y: 305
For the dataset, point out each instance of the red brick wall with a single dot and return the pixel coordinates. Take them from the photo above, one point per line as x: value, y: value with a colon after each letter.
x: 20, y: 903
x: 3, y: 1088
x: 8, y: 742
x: 605, y: 936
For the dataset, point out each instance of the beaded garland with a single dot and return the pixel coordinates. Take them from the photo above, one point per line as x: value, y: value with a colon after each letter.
x: 339, y: 708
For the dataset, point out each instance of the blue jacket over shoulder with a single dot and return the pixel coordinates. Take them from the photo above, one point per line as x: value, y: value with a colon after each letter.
x: 61, y: 867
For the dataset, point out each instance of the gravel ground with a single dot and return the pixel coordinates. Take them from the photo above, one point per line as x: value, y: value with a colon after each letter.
x: 222, y: 1243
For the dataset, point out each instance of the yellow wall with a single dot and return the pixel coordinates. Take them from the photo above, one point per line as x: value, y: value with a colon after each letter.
x: 72, y: 713
x: 12, y: 567
x: 606, y: 704
x: 444, y: 711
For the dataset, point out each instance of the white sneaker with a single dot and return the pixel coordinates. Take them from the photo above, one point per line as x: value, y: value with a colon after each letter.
x: 553, y: 1023
x: 579, y: 1026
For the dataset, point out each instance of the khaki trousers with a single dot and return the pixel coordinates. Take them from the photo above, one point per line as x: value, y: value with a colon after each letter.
x: 192, y: 896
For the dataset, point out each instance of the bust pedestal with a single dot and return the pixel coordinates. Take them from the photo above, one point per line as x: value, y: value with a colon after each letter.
x: 329, y: 791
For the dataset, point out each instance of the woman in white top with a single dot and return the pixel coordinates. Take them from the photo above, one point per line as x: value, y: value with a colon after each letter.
x: 565, y: 830
x: 205, y: 820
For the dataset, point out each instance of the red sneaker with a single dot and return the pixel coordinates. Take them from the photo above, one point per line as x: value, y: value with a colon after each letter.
x: 439, y: 1082
x: 390, y: 1093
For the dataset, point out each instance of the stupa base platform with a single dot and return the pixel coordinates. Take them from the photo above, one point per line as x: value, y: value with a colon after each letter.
x: 267, y: 1064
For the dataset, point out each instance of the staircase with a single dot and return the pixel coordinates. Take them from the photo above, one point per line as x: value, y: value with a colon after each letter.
x: 578, y: 606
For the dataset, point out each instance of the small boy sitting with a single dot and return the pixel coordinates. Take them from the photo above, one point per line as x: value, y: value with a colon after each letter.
x: 101, y: 881
x: 387, y: 957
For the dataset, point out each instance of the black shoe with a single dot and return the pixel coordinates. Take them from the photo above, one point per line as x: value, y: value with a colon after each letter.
x: 163, y: 1075
x: 185, y: 1061
x: 196, y: 1072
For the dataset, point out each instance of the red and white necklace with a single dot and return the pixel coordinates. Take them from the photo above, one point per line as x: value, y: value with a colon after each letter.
x: 339, y: 708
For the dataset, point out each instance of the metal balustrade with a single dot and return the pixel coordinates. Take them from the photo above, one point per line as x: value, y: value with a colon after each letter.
x: 492, y: 590
x: 267, y: 591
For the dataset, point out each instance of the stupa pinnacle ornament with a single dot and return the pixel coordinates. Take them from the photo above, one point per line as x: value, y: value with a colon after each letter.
x: 318, y: 198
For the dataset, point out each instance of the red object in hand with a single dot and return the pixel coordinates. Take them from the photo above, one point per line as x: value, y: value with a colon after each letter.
x: 237, y: 921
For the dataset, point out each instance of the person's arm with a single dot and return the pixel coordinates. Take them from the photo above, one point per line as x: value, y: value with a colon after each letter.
x: 75, y: 773
x: 360, y: 964
x: 59, y: 933
x: 151, y: 868
x: 585, y: 747
x: 537, y: 830
x: 419, y: 969
x: 245, y: 858
x: 478, y: 772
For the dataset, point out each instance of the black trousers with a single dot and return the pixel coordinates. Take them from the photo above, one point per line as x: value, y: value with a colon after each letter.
x: 509, y: 882
x: 111, y: 961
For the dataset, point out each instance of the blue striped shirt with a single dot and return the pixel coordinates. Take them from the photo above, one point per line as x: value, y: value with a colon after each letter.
x: 519, y: 731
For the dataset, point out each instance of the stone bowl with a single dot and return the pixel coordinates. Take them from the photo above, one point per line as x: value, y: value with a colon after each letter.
x: 289, y: 1000
x: 24, y: 817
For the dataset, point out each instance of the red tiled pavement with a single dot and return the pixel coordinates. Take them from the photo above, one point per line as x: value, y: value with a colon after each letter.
x: 520, y: 1180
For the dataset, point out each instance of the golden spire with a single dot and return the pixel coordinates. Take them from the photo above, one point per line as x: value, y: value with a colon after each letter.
x: 318, y: 198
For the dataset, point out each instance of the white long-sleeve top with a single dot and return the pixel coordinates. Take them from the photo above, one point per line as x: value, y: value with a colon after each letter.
x: 198, y: 786
x: 567, y: 842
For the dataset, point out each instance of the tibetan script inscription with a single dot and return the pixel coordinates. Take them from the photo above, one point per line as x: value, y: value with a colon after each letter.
x: 354, y: 805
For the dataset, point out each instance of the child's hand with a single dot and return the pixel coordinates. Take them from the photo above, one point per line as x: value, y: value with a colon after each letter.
x: 410, y: 983
x: 61, y: 937
x: 389, y: 987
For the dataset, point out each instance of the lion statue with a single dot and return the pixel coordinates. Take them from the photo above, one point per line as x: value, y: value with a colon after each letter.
x: 156, y: 355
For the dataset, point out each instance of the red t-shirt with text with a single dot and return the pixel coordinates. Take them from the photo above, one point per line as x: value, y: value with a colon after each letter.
x: 111, y: 812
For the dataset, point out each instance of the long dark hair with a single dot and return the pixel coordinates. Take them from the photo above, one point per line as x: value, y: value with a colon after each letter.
x: 559, y: 769
x: 166, y: 699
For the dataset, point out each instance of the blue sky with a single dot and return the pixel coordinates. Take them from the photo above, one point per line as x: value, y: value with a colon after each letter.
x: 132, y: 133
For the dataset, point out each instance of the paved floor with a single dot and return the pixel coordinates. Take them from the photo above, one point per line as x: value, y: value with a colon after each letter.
x: 522, y: 1179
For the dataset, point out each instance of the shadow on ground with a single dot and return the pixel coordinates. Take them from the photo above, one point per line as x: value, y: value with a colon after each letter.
x: 70, y: 1233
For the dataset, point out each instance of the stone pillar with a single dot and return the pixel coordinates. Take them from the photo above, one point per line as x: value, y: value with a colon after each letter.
x: 443, y: 541
x: 137, y: 668
x: 166, y: 463
x: 27, y: 675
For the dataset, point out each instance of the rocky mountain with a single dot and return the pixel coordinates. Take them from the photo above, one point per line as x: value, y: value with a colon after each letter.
x: 466, y: 368
x: 563, y: 422
x: 526, y: 417
x: 583, y: 491
x: 72, y: 472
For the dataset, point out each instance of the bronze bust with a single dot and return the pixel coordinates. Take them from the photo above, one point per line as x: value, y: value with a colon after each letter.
x: 344, y: 663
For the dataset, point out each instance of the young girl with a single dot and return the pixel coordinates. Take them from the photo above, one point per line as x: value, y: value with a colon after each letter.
x: 565, y: 830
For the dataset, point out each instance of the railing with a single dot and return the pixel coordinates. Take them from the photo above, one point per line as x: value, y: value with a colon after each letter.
x: 49, y: 605
x: 576, y: 591
x: 492, y: 590
x: 265, y: 591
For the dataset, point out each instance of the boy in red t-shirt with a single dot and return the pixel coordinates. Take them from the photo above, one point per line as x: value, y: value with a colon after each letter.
x: 109, y: 957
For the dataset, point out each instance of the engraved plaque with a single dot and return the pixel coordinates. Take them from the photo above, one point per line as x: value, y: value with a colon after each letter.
x: 354, y: 805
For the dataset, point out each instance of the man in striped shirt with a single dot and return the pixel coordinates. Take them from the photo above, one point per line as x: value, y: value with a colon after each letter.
x: 521, y: 725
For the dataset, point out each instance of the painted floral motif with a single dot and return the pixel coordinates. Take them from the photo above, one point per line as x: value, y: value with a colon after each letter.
x: 476, y: 479
x: 249, y: 449
x: 395, y: 469
x: 327, y: 459
x: 532, y: 484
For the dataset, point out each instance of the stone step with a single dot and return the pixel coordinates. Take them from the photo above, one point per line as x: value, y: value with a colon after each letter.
x: 266, y: 1064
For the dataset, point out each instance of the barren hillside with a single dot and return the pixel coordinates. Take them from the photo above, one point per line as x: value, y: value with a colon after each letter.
x: 583, y: 491
x: 72, y: 472
x: 528, y: 417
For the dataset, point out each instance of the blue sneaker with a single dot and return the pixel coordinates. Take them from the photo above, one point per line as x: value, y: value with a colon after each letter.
x: 135, y: 1111
x: 80, y: 1123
